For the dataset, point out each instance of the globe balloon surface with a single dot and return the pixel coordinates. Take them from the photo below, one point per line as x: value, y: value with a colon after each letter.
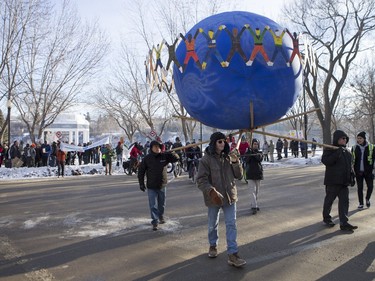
x: 217, y: 89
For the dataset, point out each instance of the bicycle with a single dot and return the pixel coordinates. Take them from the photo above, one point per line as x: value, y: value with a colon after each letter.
x: 134, y: 169
x: 177, y: 171
x: 185, y: 163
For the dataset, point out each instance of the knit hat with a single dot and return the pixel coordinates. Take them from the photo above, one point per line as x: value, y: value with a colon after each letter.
x: 254, y: 140
x: 154, y: 142
x: 362, y: 135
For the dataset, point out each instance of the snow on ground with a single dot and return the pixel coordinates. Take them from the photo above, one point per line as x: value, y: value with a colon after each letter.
x: 98, y: 169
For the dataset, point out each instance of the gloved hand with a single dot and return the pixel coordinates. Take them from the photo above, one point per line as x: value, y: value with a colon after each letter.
x: 142, y: 187
x: 233, y: 156
x: 175, y: 154
x: 216, y: 197
x: 340, y: 151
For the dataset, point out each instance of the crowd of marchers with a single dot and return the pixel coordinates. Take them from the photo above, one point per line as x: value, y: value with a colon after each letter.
x: 224, y: 161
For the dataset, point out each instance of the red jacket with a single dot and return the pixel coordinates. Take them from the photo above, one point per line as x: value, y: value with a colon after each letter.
x: 135, y: 152
x: 60, y: 155
x: 243, y: 147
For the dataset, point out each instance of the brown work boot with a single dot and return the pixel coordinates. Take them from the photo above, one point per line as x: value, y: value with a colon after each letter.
x: 212, y: 252
x: 235, y: 260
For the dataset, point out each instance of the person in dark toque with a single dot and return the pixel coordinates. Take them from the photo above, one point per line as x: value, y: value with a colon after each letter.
x: 363, y: 163
x: 254, y: 172
x: 337, y: 178
x: 217, y: 172
x: 153, y: 166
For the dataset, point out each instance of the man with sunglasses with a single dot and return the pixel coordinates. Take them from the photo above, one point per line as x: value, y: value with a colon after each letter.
x: 217, y: 172
x: 337, y: 178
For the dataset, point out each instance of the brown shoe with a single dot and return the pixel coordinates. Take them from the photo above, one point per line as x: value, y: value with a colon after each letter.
x: 235, y: 260
x: 212, y: 252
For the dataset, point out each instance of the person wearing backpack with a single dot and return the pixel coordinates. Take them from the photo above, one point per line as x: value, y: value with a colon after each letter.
x: 363, y: 164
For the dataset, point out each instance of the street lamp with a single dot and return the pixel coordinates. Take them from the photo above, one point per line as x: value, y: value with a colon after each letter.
x: 9, y: 106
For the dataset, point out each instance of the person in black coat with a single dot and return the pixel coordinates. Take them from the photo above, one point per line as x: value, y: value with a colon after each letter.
x: 337, y: 179
x: 363, y: 162
x: 153, y: 166
x: 254, y: 172
x: 279, y: 148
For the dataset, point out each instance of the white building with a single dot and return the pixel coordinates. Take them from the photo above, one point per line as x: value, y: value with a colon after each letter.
x: 69, y: 127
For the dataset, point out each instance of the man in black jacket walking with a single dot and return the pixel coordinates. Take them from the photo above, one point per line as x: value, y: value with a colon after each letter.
x: 337, y: 179
x: 153, y: 166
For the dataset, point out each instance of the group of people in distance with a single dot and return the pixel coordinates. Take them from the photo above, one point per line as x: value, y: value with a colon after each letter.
x: 221, y: 166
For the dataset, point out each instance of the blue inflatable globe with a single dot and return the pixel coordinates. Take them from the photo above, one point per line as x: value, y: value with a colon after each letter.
x: 219, y: 77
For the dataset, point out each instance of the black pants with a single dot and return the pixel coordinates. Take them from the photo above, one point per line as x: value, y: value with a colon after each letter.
x: 60, y: 168
x: 342, y: 192
x: 370, y: 186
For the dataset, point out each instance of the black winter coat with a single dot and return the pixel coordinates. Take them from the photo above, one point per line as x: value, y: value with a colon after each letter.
x: 337, y: 162
x: 254, y: 168
x: 357, y: 159
x: 154, y: 167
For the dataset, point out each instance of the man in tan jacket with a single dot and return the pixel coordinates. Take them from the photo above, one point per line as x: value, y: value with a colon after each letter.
x: 217, y: 172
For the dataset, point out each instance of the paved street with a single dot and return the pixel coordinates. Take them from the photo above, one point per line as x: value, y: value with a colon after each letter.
x: 97, y: 228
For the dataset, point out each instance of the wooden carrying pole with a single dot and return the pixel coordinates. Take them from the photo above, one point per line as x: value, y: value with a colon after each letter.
x: 290, y: 117
x: 300, y: 140
x: 197, y: 143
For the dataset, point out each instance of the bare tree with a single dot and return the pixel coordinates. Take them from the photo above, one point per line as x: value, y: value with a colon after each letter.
x: 129, y: 100
x: 16, y: 17
x: 364, y: 100
x: 338, y: 30
x: 115, y: 104
x: 298, y: 122
x: 60, y: 57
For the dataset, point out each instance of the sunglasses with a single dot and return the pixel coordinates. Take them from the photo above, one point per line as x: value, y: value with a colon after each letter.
x: 220, y: 141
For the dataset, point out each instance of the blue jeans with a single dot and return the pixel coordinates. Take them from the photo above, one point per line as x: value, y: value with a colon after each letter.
x: 156, y: 201
x: 230, y: 225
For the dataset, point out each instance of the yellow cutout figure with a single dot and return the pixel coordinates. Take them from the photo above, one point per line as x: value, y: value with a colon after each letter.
x: 278, y: 40
x: 157, y: 50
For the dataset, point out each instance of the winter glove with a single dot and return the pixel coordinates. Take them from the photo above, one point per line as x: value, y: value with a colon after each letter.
x: 233, y: 156
x: 216, y: 197
x: 175, y: 154
x: 142, y: 187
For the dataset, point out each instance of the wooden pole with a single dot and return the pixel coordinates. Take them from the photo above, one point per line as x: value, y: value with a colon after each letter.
x: 197, y: 143
x: 290, y: 117
x: 300, y: 140
x: 252, y: 117
x: 251, y: 121
x: 185, y: 117
x: 239, y: 139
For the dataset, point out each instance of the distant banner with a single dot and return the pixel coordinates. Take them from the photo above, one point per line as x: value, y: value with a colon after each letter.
x: 71, y: 147
x: 296, y: 134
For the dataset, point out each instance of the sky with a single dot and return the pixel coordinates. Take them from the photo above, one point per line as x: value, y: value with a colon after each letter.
x: 112, y: 15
